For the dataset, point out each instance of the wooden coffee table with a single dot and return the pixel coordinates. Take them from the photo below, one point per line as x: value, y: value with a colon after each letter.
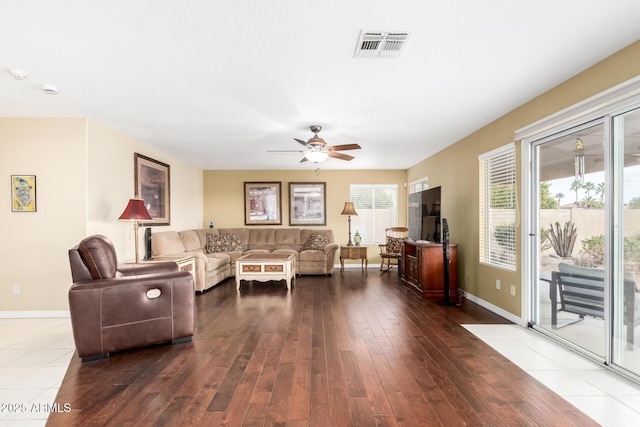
x: 266, y: 267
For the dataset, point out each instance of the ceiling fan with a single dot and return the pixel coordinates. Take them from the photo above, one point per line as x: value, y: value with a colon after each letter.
x: 317, y: 149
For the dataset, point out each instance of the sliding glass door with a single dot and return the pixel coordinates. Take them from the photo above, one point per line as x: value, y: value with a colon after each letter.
x: 569, y: 187
x: 626, y: 243
x: 585, y: 266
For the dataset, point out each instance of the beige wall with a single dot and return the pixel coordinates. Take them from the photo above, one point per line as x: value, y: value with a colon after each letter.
x: 84, y: 176
x: 111, y: 188
x: 34, y: 246
x: 224, y: 196
x: 456, y: 169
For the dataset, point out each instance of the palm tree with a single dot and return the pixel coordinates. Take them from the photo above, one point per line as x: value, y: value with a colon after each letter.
x: 559, y: 196
x: 600, y: 191
x: 589, y: 187
x: 575, y: 186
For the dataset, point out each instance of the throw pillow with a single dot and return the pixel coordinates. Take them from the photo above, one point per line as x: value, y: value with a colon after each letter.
x: 316, y: 242
x: 237, y: 244
x: 216, y: 243
x: 224, y: 243
x: 394, y: 245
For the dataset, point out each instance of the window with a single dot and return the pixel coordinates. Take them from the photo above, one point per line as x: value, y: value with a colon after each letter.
x: 414, y: 207
x: 377, y: 207
x: 498, y: 214
x: 419, y: 185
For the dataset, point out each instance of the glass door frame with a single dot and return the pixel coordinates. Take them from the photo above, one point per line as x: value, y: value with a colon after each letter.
x: 614, y: 102
x: 533, y: 235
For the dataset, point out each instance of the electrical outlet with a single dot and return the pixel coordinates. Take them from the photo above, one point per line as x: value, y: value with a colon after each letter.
x: 513, y: 290
x: 497, y: 284
x: 16, y: 289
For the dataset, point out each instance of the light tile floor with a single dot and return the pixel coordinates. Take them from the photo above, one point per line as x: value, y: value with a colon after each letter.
x: 606, y: 397
x: 34, y: 357
x: 35, y: 354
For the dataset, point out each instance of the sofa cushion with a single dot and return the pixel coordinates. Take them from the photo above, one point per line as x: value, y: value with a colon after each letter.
x: 166, y: 243
x: 312, y: 256
x: 190, y: 240
x: 286, y: 251
x: 262, y: 238
x: 217, y: 260
x: 316, y: 242
x: 288, y: 238
x: 202, y: 235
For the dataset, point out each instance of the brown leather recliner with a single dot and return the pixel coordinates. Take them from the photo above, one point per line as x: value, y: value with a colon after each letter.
x: 121, y: 307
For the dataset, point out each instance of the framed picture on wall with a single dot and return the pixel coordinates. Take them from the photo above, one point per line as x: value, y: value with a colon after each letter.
x: 262, y: 203
x: 153, y: 186
x: 307, y: 203
x: 23, y: 193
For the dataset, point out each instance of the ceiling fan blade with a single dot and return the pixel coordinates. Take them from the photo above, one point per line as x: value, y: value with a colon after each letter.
x: 340, y: 155
x: 286, y: 151
x: 344, y: 147
x: 302, y: 142
x: 304, y: 159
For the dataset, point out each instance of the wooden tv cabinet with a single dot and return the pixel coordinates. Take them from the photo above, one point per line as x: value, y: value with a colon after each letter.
x: 423, y: 269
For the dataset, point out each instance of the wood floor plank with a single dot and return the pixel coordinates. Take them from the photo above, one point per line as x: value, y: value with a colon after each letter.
x: 352, y: 349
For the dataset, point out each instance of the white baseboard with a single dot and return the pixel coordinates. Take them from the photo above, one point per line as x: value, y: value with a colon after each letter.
x: 33, y: 314
x: 497, y: 310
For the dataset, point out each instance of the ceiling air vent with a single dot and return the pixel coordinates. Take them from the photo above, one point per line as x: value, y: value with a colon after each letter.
x: 378, y: 44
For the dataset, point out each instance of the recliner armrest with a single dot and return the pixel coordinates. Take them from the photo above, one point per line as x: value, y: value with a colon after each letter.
x: 147, y: 268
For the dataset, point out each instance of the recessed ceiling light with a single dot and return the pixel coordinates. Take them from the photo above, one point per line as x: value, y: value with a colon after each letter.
x: 18, y: 74
x: 50, y: 89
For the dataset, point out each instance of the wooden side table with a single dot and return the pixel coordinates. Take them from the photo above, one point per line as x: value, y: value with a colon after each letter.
x: 353, y: 252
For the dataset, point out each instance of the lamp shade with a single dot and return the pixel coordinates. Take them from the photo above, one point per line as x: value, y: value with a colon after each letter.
x: 435, y: 209
x: 135, y: 211
x: 316, y: 156
x: 348, y: 209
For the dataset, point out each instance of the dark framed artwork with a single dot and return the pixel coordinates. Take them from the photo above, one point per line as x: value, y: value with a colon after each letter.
x: 153, y: 186
x: 23, y: 193
x: 307, y: 203
x: 262, y: 203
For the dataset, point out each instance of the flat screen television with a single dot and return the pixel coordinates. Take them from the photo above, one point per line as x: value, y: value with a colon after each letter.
x: 424, y: 215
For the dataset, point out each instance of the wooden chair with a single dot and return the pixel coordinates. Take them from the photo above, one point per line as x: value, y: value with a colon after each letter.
x: 393, y: 247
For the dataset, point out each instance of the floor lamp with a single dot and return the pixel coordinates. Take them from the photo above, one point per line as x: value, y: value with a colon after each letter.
x: 349, y: 210
x: 135, y: 211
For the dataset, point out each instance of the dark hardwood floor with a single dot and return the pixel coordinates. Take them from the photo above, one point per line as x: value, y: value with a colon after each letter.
x: 349, y: 350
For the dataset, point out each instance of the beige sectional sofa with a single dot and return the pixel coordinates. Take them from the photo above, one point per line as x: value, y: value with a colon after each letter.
x: 215, y: 250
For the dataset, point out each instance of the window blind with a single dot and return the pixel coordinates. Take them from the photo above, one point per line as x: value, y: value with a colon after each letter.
x: 498, y: 213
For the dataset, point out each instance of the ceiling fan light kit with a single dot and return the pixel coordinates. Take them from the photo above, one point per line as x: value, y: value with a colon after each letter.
x: 318, y: 151
x: 316, y: 156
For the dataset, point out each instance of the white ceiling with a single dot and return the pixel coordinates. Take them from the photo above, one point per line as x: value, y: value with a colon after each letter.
x: 218, y: 83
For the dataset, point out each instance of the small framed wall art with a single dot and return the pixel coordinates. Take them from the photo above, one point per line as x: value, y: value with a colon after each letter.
x: 153, y: 186
x: 262, y: 203
x: 23, y: 193
x: 307, y: 203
